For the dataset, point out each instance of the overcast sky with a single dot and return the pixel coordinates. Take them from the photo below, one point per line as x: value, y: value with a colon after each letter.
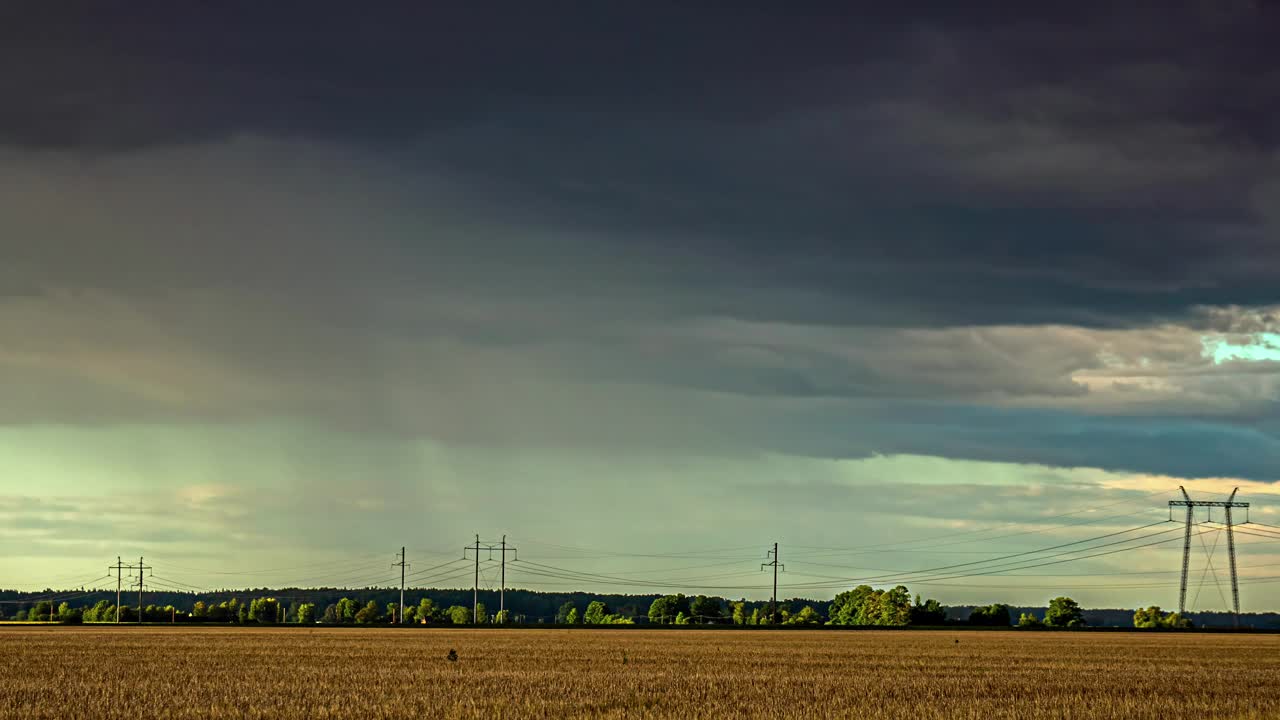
x: 282, y: 286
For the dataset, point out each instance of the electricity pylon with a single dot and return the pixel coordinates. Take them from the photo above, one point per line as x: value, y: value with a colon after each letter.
x: 1191, y: 505
x: 139, y: 567
x: 399, y: 619
x: 773, y: 600
x: 501, y: 547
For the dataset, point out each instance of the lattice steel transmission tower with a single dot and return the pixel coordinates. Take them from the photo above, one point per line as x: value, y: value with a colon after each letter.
x: 1191, y: 505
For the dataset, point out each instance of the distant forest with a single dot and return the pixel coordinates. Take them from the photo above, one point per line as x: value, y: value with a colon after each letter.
x: 860, y: 606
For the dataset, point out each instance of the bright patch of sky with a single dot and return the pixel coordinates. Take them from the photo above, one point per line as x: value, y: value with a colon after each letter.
x: 1261, y: 347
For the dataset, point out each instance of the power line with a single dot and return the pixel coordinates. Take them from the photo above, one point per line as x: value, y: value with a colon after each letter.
x: 997, y: 527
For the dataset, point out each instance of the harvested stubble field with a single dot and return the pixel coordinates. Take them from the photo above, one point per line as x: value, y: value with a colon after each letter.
x: 67, y: 673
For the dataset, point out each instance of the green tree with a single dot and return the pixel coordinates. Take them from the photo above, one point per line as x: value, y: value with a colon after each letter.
x: 1029, y: 620
x: 806, y: 616
x: 306, y: 614
x: 1064, y: 612
x: 1147, y: 617
x: 482, y: 614
x: 595, y: 613
x: 572, y: 618
x: 755, y: 617
x: 996, y: 615
x: 426, y: 610
x: 199, y: 610
x: 410, y: 614
x: 682, y: 619
x: 562, y: 615
x: 68, y: 614
x: 739, y: 613
x: 42, y: 611
x: 368, y: 615
x: 217, y: 613
x: 1153, y: 617
x: 459, y: 615
x: 393, y: 612
x: 242, y: 615
x: 705, y: 609
x: 666, y: 608
x: 865, y: 605
x: 100, y: 612
x: 503, y: 617
x: 264, y: 611
x: 347, y: 609
x: 330, y: 616
x: 929, y: 612
x: 847, y: 606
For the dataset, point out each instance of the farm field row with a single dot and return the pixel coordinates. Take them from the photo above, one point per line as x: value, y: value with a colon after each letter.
x: 71, y: 673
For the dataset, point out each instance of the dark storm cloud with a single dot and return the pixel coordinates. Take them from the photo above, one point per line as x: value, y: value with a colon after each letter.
x: 823, y: 219
x: 1077, y: 164
x: 1084, y: 164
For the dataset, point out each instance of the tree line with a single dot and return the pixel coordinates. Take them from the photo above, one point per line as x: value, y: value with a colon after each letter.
x: 861, y: 606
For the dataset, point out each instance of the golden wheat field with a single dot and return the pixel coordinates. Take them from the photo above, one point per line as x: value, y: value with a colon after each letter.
x: 67, y: 673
